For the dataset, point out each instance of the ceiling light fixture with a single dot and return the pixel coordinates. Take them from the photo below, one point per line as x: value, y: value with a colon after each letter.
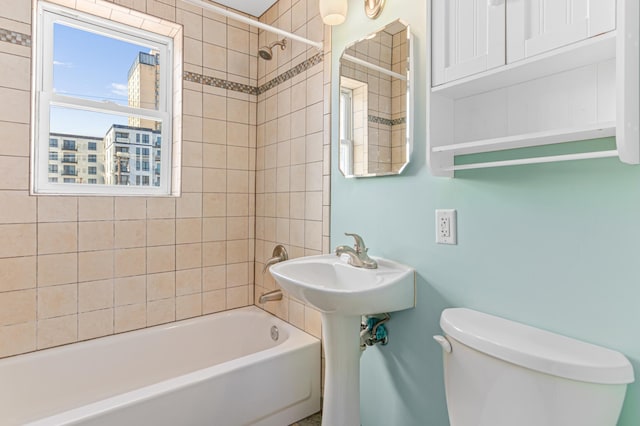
x: 333, y: 12
x: 373, y: 8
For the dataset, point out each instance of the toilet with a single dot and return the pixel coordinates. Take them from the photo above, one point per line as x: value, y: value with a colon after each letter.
x: 501, y: 373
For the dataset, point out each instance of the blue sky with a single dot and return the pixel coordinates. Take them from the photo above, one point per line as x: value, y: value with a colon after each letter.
x: 94, y: 67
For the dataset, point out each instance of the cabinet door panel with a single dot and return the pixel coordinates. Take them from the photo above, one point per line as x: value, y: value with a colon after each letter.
x: 468, y: 38
x: 537, y: 26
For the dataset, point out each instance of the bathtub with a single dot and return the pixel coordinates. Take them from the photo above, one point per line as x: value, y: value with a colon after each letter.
x: 222, y: 369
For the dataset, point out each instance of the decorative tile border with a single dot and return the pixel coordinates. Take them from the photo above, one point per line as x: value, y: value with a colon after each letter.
x: 15, y: 38
x: 302, y: 67
x: 218, y: 82
x: 386, y: 121
x: 251, y: 90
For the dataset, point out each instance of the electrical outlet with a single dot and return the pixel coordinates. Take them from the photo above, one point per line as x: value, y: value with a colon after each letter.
x: 446, y: 227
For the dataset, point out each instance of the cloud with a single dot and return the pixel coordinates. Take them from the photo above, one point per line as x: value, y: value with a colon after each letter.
x: 119, y: 89
x: 63, y: 64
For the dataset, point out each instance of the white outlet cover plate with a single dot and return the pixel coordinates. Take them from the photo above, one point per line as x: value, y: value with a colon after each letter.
x: 446, y: 226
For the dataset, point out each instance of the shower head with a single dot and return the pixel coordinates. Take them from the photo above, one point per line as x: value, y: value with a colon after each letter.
x: 266, y: 52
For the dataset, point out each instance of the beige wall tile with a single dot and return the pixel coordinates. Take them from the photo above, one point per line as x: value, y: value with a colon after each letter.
x: 57, y: 331
x: 188, y: 231
x: 14, y: 140
x: 95, y: 265
x: 57, y: 209
x: 214, y: 253
x: 17, y: 338
x: 95, y: 208
x: 238, y: 274
x: 130, y: 317
x: 22, y: 210
x: 130, y: 290
x: 95, y: 324
x: 214, y: 180
x: 129, y: 208
x: 18, y: 240
x: 15, y: 106
x: 56, y: 301
x: 161, y: 311
x: 213, y: 301
x: 214, y: 205
x: 95, y: 235
x: 189, y: 205
x: 130, y: 262
x: 161, y: 259
x: 214, y: 229
x: 237, y: 251
x: 17, y: 307
x: 188, y: 281
x: 237, y: 228
x: 57, y: 237
x: 237, y: 297
x: 188, y: 306
x: 161, y: 232
x: 214, y: 277
x: 17, y: 273
x: 95, y: 295
x: 15, y: 71
x: 312, y: 322
x: 57, y: 269
x: 188, y: 256
x: 161, y: 286
x: 161, y: 208
x: 130, y: 233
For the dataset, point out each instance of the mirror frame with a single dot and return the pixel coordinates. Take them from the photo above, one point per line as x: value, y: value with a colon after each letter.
x: 409, y: 138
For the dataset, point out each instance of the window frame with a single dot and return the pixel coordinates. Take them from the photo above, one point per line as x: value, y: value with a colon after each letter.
x: 45, y: 98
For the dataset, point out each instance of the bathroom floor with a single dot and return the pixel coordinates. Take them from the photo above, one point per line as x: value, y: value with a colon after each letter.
x: 314, y: 420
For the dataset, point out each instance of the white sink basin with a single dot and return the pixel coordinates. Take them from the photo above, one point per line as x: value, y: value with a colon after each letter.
x: 331, y: 285
x: 342, y: 293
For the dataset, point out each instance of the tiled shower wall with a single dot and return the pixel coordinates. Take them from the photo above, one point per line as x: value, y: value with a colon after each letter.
x: 292, y: 166
x: 75, y: 268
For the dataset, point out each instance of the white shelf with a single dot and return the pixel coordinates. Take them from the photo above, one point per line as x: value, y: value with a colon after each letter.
x: 593, y: 50
x: 547, y: 137
x: 535, y: 160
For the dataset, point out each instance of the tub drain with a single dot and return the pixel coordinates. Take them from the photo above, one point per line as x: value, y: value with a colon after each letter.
x: 275, y: 333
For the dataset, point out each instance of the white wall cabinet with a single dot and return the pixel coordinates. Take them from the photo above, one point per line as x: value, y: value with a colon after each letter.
x: 568, y: 71
x: 538, y: 26
x: 470, y: 38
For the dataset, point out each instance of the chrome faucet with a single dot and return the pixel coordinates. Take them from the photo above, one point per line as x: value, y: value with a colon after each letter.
x: 358, y: 256
x: 279, y: 255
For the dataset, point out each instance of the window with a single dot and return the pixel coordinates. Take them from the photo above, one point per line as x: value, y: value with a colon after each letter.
x: 53, y: 168
x: 145, y: 166
x: 53, y: 179
x: 98, y: 102
x: 53, y: 155
x: 346, y: 131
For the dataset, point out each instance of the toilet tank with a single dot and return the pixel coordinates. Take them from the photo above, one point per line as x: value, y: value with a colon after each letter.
x: 501, y: 373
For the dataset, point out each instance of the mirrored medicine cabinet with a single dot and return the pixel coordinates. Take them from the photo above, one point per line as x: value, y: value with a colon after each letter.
x: 376, y: 121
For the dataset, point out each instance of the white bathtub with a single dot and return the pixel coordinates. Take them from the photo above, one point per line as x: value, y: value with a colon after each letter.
x: 222, y: 369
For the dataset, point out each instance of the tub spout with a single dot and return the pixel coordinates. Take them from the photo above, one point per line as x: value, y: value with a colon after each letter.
x: 270, y: 296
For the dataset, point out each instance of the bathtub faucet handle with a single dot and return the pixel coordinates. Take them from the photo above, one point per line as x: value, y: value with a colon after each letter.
x: 279, y: 255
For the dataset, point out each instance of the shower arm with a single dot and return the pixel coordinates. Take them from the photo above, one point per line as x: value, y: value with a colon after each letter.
x: 236, y: 16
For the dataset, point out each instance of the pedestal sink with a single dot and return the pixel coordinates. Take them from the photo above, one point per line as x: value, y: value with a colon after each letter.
x: 343, y: 293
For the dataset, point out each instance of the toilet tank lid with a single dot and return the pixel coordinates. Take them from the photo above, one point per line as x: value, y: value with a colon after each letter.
x: 536, y: 349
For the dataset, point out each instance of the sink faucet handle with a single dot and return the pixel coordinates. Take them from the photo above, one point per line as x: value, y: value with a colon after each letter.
x: 359, y: 243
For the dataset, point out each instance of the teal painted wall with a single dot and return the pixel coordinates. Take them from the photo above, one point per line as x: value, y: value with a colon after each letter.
x: 555, y: 246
